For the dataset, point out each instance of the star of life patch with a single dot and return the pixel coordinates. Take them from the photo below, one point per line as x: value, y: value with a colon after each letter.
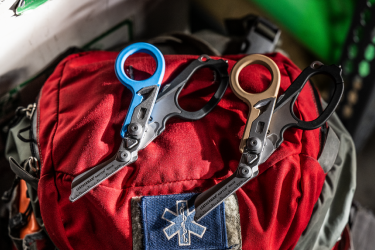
x: 167, y: 222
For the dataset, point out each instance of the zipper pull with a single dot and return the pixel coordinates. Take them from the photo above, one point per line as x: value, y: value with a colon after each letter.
x: 30, y: 110
x: 34, y: 166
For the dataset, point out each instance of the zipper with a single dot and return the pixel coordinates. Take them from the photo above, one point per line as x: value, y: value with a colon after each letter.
x: 33, y: 115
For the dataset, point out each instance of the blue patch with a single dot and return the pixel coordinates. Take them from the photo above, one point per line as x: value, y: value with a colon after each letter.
x: 168, y: 223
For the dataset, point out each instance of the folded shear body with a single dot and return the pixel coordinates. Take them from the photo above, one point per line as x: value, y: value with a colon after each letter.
x: 148, y: 112
x: 266, y: 124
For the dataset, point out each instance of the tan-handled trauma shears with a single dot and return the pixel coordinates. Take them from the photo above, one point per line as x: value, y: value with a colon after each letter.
x: 268, y: 119
x: 261, y: 107
x: 253, y: 98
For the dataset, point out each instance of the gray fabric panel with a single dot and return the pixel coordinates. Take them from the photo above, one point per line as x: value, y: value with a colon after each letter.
x: 321, y: 207
x: 34, y: 122
x: 338, y: 214
x: 16, y: 148
x: 232, y: 222
x: 331, y: 212
x: 217, y: 41
x: 23, y: 174
x: 363, y: 229
x: 330, y: 151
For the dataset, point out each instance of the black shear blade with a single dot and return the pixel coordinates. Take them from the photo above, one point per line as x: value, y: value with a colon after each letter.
x: 213, y: 197
x: 88, y: 180
x: 249, y: 162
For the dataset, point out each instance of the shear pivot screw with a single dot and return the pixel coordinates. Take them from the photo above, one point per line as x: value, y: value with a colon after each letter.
x: 254, y: 145
x: 123, y: 156
x: 245, y: 171
x: 135, y: 129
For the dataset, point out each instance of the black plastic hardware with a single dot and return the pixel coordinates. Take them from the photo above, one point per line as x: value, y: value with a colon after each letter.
x: 18, y: 221
x: 254, y: 35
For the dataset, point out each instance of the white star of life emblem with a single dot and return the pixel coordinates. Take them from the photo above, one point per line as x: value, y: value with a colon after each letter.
x: 182, y: 224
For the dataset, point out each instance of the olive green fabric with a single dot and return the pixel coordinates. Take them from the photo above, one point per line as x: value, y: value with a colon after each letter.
x: 16, y: 148
x: 21, y: 151
x: 331, y: 212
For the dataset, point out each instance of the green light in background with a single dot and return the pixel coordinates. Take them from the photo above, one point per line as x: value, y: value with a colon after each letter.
x: 371, y: 2
x: 322, y: 26
x: 364, y: 68
x: 358, y: 34
x: 348, y: 67
x: 365, y: 16
x: 370, y: 52
x: 353, y: 51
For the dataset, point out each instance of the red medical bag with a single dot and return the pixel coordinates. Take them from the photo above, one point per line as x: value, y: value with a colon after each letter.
x: 80, y: 110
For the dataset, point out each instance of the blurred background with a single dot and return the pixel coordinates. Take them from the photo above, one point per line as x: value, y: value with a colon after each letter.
x: 36, y: 34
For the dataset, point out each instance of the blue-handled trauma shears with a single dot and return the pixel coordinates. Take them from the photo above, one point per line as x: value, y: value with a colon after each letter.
x: 139, y: 89
x: 149, y: 111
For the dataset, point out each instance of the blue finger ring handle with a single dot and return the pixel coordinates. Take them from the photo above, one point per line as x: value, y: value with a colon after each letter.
x: 133, y: 85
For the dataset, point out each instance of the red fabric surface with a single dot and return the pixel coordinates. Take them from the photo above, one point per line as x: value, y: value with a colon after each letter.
x: 81, y: 110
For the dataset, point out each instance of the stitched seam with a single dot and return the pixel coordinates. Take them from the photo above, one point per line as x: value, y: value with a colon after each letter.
x: 53, y: 172
x: 58, y: 104
x: 53, y: 137
x: 37, y: 130
x: 223, y: 232
x: 57, y: 116
x: 145, y: 220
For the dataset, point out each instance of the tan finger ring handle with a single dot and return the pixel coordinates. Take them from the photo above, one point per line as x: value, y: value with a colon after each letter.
x: 249, y: 98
